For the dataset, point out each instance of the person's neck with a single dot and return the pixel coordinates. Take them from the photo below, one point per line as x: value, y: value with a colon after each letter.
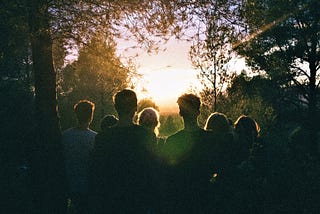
x: 83, y: 126
x: 190, y: 124
x: 125, y: 121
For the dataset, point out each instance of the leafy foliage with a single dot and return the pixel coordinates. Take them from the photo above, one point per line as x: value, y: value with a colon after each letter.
x: 15, y: 55
x: 96, y: 75
x: 170, y: 124
x: 212, y: 50
x: 283, y: 40
x: 144, y: 103
x: 253, y: 97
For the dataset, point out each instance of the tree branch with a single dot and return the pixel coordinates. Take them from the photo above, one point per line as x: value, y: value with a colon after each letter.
x: 301, y: 70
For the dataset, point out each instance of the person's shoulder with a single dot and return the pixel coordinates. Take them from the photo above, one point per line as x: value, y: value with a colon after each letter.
x: 175, y: 136
x: 105, y: 139
x: 129, y: 131
x: 69, y: 134
x: 198, y: 133
x: 68, y: 131
x: 92, y: 132
x: 143, y: 132
x: 203, y: 132
x: 106, y: 133
x: 161, y: 141
x: 137, y: 127
x: 222, y: 136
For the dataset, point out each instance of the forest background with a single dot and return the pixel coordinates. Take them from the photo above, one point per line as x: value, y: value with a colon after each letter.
x: 280, y: 87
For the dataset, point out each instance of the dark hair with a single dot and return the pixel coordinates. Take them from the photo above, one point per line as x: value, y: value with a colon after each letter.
x: 247, y: 128
x: 108, y: 121
x: 218, y: 122
x: 125, y: 101
x: 84, y: 110
x: 189, y: 104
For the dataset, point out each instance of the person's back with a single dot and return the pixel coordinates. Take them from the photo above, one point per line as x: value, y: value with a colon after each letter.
x: 220, y: 129
x: 247, y: 178
x: 123, y: 176
x: 150, y: 119
x: 123, y: 168
x: 78, y: 145
x: 189, y: 161
x: 247, y: 137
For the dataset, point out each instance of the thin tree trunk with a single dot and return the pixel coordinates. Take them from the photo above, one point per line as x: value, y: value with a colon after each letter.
x: 312, y: 119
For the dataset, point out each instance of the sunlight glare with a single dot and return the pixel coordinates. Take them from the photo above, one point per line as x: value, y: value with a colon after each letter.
x: 165, y: 86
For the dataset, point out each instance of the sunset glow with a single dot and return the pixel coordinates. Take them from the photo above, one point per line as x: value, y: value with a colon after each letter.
x: 165, y: 86
x: 165, y: 75
x: 168, y: 74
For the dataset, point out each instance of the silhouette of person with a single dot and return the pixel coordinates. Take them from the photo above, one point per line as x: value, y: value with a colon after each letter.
x: 150, y: 119
x: 217, y: 122
x: 123, y: 179
x: 250, y: 166
x: 78, y: 144
x: 247, y: 135
x: 187, y: 153
x: 108, y: 121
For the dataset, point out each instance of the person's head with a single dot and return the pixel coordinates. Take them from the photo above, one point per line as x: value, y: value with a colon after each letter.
x: 149, y: 118
x: 108, y: 121
x: 247, y: 128
x: 125, y: 103
x: 217, y: 122
x: 84, y: 112
x: 189, y: 105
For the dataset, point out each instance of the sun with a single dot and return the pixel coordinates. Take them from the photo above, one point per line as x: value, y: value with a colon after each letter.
x: 165, y: 74
x: 165, y: 86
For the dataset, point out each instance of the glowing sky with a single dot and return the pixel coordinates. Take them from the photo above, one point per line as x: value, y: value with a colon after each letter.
x: 166, y: 75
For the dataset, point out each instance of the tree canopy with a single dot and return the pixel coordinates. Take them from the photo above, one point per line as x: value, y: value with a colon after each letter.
x: 283, y: 40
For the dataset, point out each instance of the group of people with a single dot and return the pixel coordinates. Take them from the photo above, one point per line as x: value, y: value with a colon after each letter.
x: 128, y: 168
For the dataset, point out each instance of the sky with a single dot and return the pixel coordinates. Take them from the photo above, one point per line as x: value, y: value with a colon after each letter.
x: 168, y: 74
x: 165, y: 75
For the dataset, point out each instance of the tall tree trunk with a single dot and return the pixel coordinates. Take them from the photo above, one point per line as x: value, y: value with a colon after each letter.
x: 47, y: 161
x: 312, y: 118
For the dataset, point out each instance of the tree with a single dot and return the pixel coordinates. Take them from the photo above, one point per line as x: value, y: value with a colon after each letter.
x: 15, y: 56
x: 170, y: 124
x: 283, y: 41
x: 255, y: 96
x: 75, y: 23
x: 96, y: 75
x: 47, y: 159
x: 144, y: 103
x: 17, y: 121
x: 212, y: 50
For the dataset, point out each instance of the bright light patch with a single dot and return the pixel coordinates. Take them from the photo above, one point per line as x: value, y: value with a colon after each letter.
x: 165, y: 86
